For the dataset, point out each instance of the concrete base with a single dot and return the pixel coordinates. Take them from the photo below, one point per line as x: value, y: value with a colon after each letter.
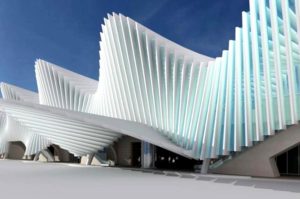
x: 87, y: 160
x: 83, y: 160
x: 205, y: 166
x: 97, y: 161
x: 260, y: 159
x: 44, y: 156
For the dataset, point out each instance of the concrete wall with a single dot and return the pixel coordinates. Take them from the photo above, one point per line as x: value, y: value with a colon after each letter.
x: 259, y: 160
x: 62, y: 155
x: 123, y: 150
x: 16, y: 150
x: 65, y: 156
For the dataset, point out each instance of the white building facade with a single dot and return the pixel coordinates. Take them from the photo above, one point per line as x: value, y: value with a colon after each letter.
x: 161, y: 93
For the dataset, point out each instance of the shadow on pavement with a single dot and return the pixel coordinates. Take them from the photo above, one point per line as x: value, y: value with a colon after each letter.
x: 258, y: 183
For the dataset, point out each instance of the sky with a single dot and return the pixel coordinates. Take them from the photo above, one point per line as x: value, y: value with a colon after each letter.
x: 66, y: 32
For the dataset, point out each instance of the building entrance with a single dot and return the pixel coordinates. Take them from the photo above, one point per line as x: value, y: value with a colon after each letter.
x: 165, y: 159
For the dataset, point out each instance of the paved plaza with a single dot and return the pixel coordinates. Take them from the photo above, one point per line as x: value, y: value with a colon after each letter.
x: 26, y: 179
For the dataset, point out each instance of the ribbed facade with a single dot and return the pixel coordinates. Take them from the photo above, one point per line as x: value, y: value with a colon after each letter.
x: 207, y: 107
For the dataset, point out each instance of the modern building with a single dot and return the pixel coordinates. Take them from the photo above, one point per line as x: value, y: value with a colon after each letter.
x: 159, y: 104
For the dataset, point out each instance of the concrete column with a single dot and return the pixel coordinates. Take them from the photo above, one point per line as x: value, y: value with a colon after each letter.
x: 205, y: 166
x: 46, y: 153
x: 36, y: 157
x: 90, y: 158
x: 147, y: 155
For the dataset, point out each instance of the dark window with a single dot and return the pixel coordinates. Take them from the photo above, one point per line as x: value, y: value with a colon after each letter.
x: 288, y: 163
